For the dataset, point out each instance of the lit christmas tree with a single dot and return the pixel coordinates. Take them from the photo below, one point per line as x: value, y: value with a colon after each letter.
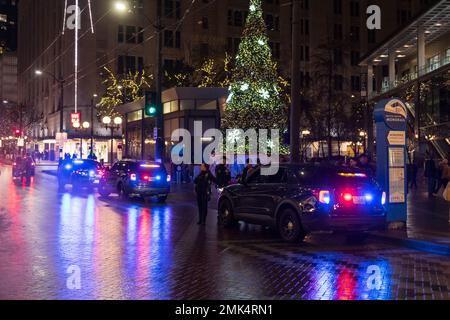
x: 254, y: 100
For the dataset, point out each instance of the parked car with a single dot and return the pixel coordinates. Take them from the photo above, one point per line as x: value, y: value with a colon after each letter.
x: 130, y: 178
x: 79, y: 173
x: 303, y: 198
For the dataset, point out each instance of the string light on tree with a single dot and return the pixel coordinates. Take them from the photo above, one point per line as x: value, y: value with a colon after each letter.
x: 244, y: 87
x: 264, y: 94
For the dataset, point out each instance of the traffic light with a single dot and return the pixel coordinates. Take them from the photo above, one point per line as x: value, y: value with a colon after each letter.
x: 152, y: 106
x: 18, y: 133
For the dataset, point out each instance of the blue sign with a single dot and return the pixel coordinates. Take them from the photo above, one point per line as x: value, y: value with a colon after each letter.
x: 391, y: 125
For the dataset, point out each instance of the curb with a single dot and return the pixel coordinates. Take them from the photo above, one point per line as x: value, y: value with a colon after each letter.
x: 420, y: 245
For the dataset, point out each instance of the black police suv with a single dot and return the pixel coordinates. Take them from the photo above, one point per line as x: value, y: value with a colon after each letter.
x: 130, y: 178
x: 23, y: 168
x: 79, y: 173
x: 303, y: 198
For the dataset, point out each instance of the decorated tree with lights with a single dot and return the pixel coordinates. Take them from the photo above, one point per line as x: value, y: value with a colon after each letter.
x: 120, y: 90
x: 254, y: 100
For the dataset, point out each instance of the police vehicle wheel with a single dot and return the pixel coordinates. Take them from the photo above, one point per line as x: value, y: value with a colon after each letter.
x: 290, y: 227
x: 61, y: 184
x: 225, y: 217
x: 162, y: 199
x: 103, y: 191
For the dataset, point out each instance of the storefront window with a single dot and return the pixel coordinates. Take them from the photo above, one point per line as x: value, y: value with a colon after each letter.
x: 134, y: 116
x: 171, y: 106
x: 166, y: 107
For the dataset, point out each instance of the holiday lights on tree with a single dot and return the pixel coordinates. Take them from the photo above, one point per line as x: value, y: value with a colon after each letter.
x: 254, y: 100
x: 121, y: 90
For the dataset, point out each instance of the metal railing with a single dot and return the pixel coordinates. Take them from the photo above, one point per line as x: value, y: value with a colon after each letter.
x: 388, y: 86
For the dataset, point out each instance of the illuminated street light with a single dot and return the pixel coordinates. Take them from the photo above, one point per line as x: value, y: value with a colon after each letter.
x: 86, y: 125
x: 38, y: 72
x: 120, y: 6
x: 306, y: 132
x: 106, y: 120
x: 110, y: 124
x: 118, y: 121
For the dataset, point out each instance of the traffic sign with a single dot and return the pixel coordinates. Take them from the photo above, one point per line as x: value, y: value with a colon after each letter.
x: 397, y: 138
x: 75, y: 119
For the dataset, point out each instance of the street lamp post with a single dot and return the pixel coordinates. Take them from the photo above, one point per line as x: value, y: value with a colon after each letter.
x: 110, y: 124
x: 77, y: 126
x: 92, y: 123
x: 122, y: 6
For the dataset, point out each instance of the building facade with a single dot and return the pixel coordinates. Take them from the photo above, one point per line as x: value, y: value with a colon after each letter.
x: 414, y: 64
x: 8, y: 78
x: 8, y: 26
x: 122, y: 42
x: 192, y: 31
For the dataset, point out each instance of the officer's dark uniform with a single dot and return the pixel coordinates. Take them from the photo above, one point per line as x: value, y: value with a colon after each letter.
x: 203, y: 190
x: 223, y: 176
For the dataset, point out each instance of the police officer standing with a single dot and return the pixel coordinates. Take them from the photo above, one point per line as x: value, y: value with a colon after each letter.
x: 223, y: 175
x: 203, y: 190
x: 247, y: 170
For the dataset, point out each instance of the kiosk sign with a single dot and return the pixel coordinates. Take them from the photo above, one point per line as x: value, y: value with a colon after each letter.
x: 390, y: 117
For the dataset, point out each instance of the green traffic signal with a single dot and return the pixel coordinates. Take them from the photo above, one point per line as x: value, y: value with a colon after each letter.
x: 152, y: 110
x: 151, y: 104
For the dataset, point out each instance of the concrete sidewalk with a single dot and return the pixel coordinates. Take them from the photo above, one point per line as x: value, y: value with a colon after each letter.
x: 428, y: 224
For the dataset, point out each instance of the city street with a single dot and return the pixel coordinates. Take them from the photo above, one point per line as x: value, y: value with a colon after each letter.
x: 137, y: 250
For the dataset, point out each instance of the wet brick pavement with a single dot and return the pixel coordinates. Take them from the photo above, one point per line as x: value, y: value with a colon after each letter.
x: 133, y: 250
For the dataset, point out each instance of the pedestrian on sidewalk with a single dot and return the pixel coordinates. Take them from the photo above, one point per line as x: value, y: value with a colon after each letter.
x: 446, y: 196
x: 443, y: 175
x: 223, y: 175
x: 247, y: 170
x: 412, y: 169
x: 430, y: 173
x: 203, y: 190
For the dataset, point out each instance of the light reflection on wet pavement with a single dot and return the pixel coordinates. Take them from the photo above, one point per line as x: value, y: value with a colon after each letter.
x: 134, y: 250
